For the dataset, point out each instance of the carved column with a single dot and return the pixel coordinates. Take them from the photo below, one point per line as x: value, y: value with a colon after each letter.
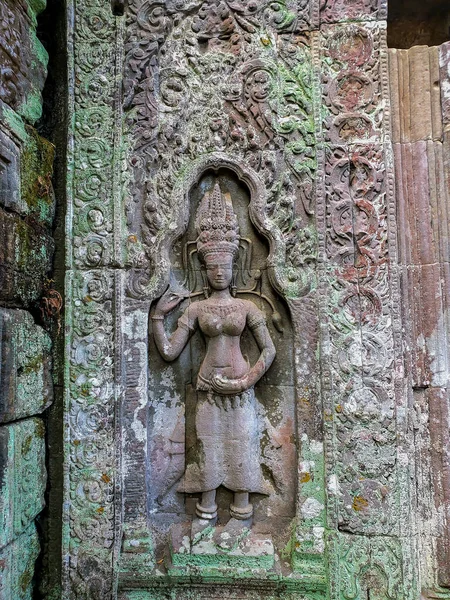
x: 93, y: 378
x: 366, y: 410
x: 419, y: 89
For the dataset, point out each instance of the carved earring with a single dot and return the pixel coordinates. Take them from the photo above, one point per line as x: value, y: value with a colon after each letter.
x: 233, y: 283
x: 205, y: 284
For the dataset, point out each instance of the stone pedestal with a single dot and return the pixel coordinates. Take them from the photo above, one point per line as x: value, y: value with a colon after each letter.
x: 217, y: 551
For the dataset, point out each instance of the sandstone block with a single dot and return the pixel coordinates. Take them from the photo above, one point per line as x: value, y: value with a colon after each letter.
x: 25, y: 381
x: 26, y: 168
x: 417, y: 243
x: 36, y: 170
x: 17, y: 562
x: 10, y: 196
x: 25, y: 259
x: 22, y: 476
x: 414, y: 82
x: 23, y: 59
x: 444, y: 64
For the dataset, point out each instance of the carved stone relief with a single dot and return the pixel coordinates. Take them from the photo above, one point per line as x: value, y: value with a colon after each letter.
x: 248, y: 109
x: 262, y: 450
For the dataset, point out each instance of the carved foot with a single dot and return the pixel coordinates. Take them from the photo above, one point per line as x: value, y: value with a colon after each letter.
x: 201, y: 528
x: 229, y: 536
x: 207, y: 513
x: 207, y: 507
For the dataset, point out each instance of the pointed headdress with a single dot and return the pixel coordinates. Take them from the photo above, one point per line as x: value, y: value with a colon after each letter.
x: 217, y: 225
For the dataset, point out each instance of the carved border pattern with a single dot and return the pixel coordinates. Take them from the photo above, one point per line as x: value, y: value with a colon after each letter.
x: 363, y: 388
x: 92, y: 296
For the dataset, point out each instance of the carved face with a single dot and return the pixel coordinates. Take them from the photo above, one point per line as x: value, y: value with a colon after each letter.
x: 219, y: 270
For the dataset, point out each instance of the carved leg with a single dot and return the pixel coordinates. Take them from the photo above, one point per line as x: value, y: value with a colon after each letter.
x: 208, y: 508
x: 241, y: 508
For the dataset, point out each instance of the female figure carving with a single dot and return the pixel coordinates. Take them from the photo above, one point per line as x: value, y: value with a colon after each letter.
x: 228, y: 450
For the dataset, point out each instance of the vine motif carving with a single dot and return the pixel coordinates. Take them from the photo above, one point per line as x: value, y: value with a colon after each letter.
x: 360, y: 322
x: 218, y: 95
x: 91, y: 421
x: 352, y: 86
x: 90, y: 405
x: 369, y: 564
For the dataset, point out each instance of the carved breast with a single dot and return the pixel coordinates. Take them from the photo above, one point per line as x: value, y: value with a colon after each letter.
x: 227, y: 319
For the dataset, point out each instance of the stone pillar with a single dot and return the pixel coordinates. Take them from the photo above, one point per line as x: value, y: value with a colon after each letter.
x: 26, y: 249
x: 419, y: 83
x: 366, y: 414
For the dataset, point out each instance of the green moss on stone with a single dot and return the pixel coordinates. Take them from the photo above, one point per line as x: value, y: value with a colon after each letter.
x: 13, y: 121
x: 36, y: 173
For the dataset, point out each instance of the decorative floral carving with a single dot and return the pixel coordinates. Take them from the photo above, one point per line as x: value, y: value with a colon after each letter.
x: 360, y: 301
x: 369, y: 564
x: 335, y: 11
x: 206, y: 82
x: 90, y: 409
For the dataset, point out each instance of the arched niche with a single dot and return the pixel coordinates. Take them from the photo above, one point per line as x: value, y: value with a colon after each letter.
x: 180, y: 212
x: 171, y: 386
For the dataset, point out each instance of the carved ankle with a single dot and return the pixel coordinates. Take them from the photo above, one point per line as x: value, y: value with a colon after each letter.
x: 206, y: 512
x: 242, y: 513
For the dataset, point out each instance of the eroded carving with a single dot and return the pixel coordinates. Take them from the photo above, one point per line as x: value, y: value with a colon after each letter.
x: 228, y: 451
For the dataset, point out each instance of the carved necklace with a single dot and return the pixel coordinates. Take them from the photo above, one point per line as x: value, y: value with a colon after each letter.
x: 222, y: 310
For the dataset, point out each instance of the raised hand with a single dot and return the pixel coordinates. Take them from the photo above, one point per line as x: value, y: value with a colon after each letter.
x: 168, y: 301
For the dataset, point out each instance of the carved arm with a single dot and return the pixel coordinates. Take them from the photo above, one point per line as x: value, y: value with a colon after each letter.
x: 170, y: 347
x: 266, y: 358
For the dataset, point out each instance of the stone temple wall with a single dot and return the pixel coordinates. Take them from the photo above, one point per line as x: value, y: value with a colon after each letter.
x: 326, y: 156
x: 26, y: 252
x: 288, y: 101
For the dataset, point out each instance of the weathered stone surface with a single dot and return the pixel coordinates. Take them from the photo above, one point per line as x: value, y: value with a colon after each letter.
x: 26, y: 165
x: 10, y: 196
x: 17, y: 564
x: 214, y: 551
x: 22, y: 476
x: 23, y: 59
x: 36, y: 162
x: 415, y: 94
x: 242, y: 90
x: 27, y: 207
x: 193, y: 590
x: 25, y: 380
x: 444, y: 64
x: 336, y: 11
x: 25, y: 260
x: 422, y: 191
